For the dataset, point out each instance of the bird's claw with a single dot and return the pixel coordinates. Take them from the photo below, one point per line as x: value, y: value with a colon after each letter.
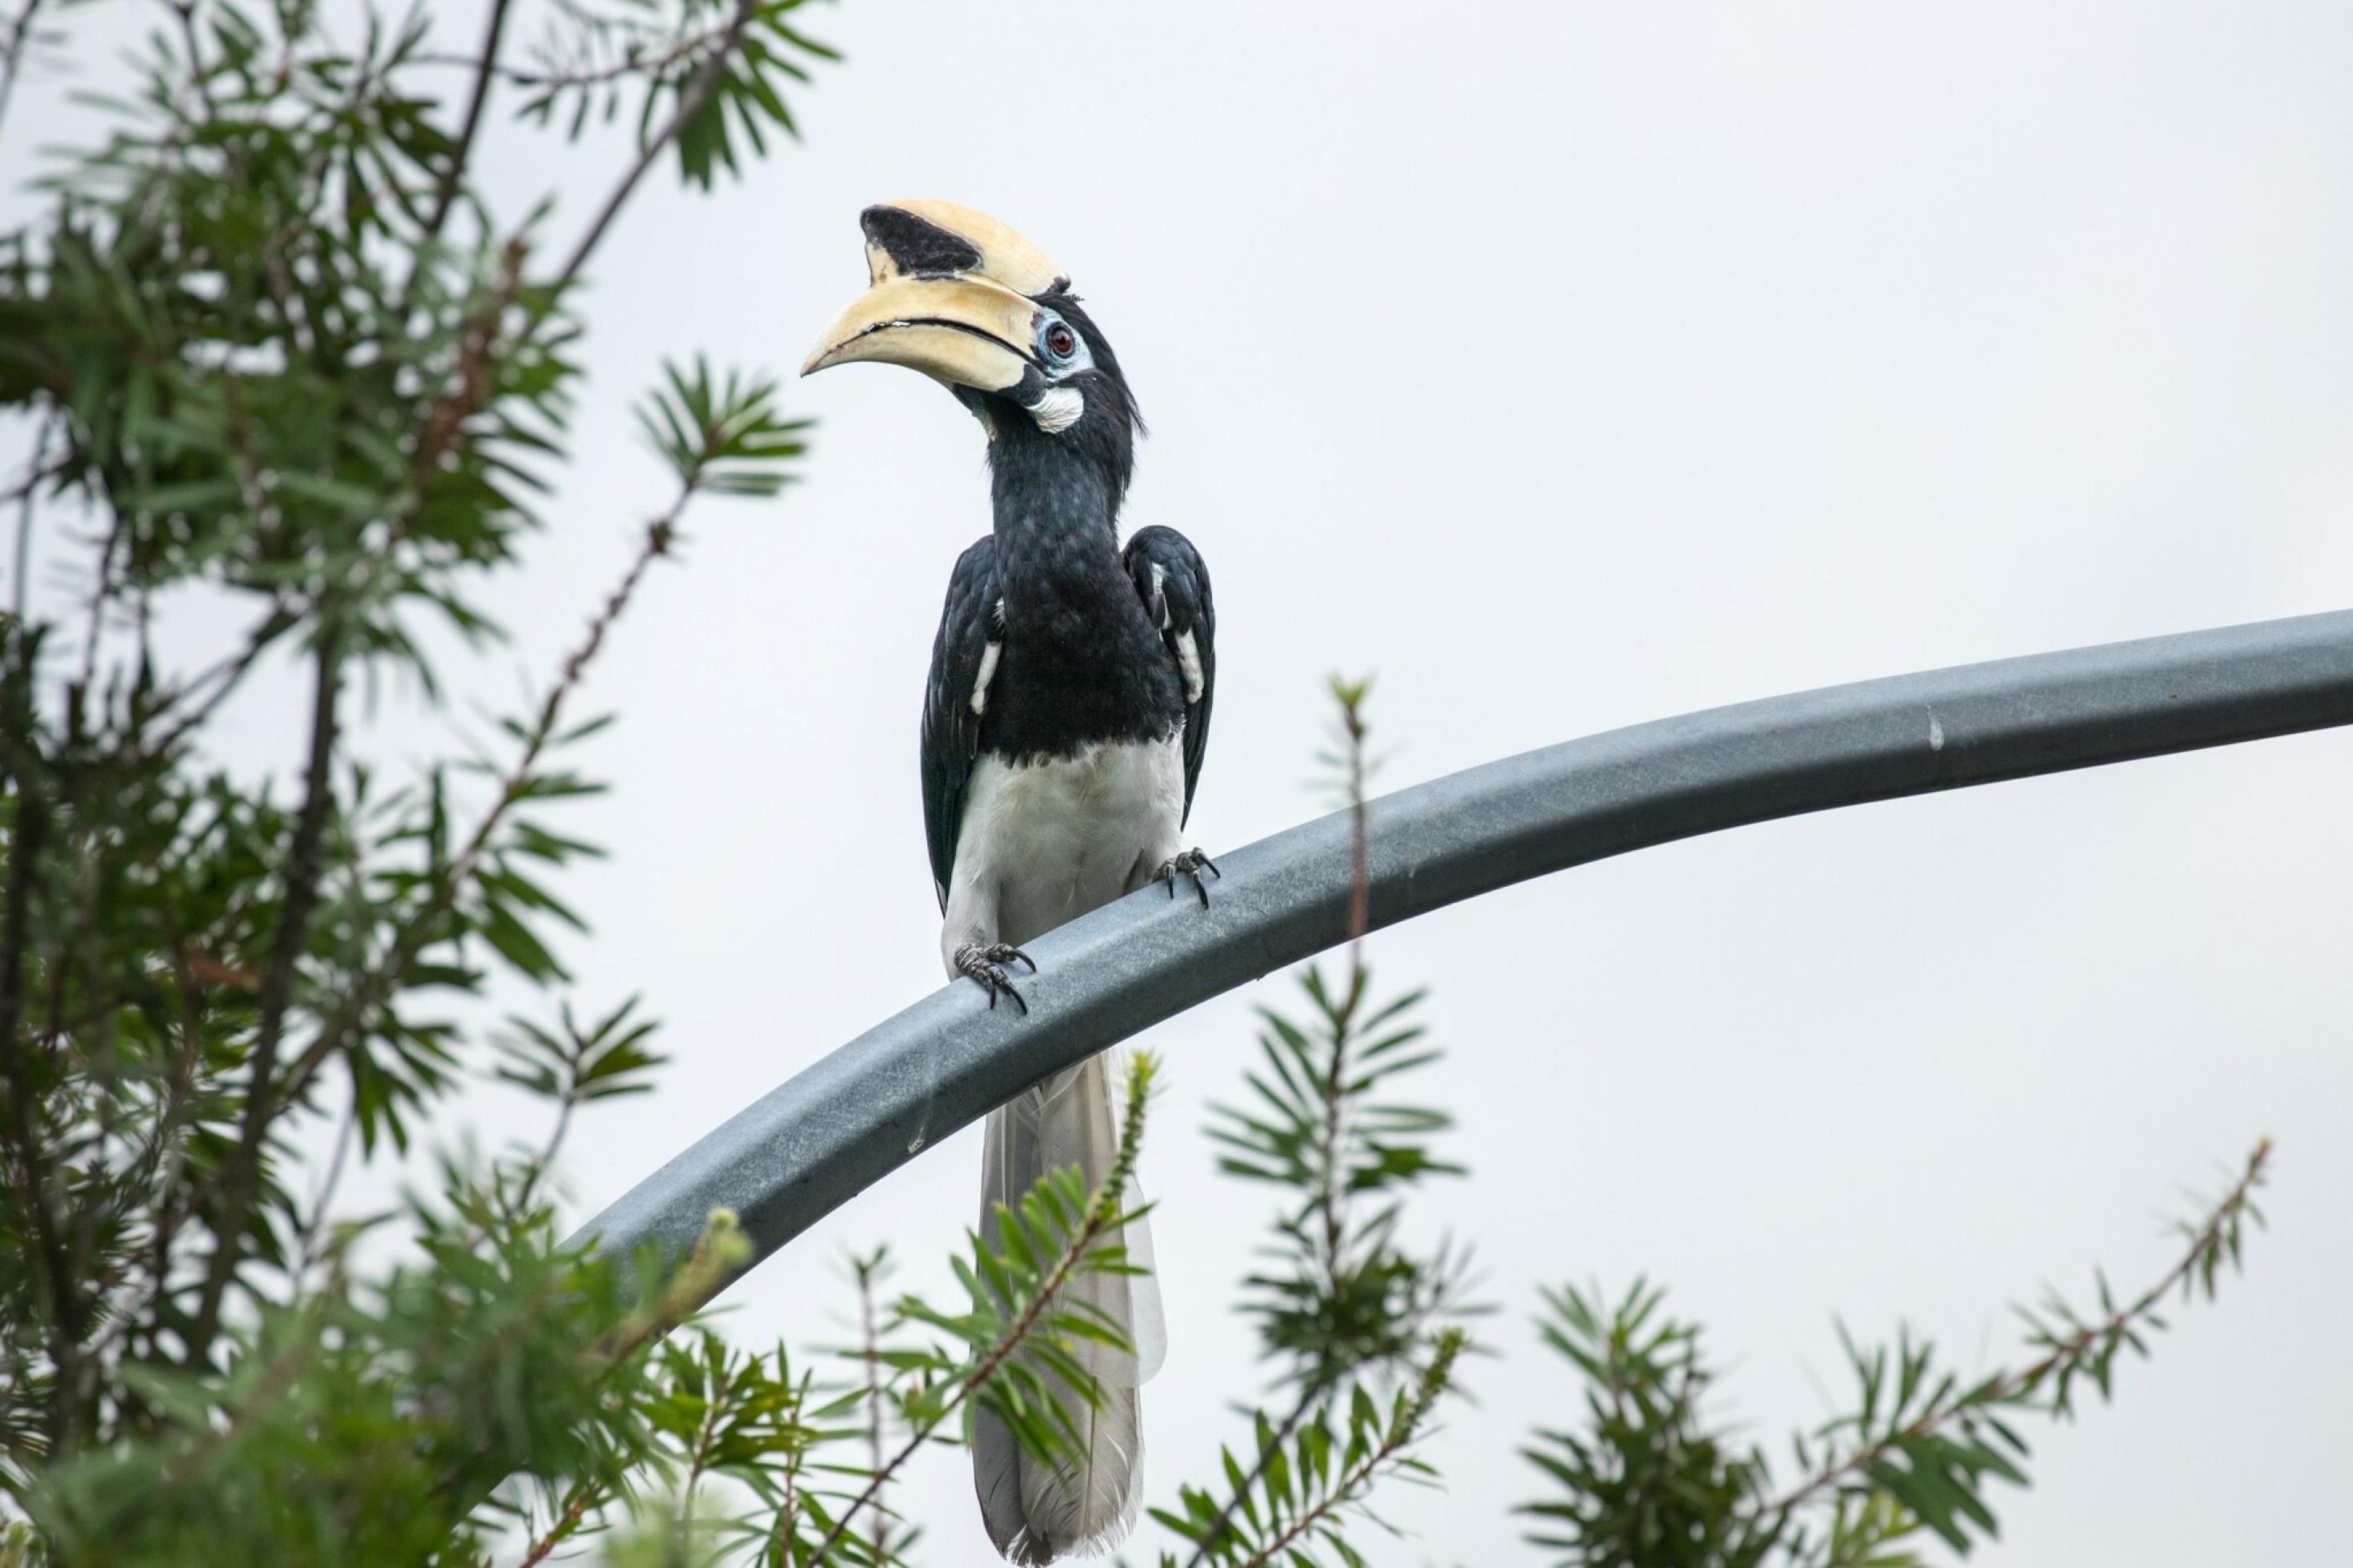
x: 1190, y: 863
x: 985, y: 962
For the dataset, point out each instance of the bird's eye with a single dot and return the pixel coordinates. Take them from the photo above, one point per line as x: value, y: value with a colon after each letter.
x: 1060, y: 342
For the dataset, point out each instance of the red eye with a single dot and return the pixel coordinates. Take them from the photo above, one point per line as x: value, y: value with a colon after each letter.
x: 1060, y: 342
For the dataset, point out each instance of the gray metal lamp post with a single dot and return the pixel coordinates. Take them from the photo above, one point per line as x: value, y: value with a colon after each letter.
x: 809, y: 1145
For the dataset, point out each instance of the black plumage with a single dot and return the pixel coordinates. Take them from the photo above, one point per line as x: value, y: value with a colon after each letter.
x: 1065, y: 721
x: 1173, y: 581
x: 1085, y: 639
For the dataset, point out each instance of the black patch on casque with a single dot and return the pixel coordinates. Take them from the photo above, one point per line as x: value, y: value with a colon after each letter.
x: 918, y: 247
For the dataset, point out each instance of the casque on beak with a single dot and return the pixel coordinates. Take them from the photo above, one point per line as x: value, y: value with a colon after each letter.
x: 951, y: 295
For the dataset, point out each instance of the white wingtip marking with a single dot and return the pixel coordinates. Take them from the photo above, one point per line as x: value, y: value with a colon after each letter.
x: 987, y: 671
x: 1159, y: 597
x: 1188, y: 655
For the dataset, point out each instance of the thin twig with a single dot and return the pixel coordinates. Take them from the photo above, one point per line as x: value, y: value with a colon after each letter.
x: 873, y: 1349
x: 445, y: 196
x: 1309, y: 1394
x: 306, y: 1233
x: 565, y: 81
x: 38, y: 471
x: 99, y: 593
x: 1403, y: 1432
x: 689, y: 103
x: 585, y: 1497
x: 12, y: 53
x: 714, y: 1412
x: 223, y: 678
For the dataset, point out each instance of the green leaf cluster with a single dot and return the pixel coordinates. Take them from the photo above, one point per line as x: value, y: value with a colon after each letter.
x: 1652, y: 1476
x: 1306, y: 1490
x: 719, y: 69
x: 277, y: 349
x: 1360, y: 1325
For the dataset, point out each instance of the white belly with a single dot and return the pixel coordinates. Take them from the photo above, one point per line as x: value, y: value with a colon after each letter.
x: 1043, y: 843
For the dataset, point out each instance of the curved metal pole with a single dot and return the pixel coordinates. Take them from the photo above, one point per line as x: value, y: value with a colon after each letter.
x: 807, y: 1147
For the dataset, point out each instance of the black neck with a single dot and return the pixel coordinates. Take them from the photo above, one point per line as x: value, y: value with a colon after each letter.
x: 1081, y: 661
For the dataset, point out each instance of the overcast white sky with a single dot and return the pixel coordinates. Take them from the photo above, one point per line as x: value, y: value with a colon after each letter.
x: 1572, y: 365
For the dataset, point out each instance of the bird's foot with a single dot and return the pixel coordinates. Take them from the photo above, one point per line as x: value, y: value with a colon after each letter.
x: 986, y: 961
x: 1191, y: 863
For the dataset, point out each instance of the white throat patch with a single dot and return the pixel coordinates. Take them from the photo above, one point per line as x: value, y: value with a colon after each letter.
x: 1058, y: 408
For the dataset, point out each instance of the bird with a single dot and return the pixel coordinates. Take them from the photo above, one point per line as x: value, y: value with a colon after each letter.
x: 1065, y: 719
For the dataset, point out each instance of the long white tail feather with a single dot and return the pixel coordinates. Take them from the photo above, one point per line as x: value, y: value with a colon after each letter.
x: 1036, y: 1512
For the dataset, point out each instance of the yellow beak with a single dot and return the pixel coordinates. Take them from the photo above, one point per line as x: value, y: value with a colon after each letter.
x: 950, y: 295
x: 961, y: 331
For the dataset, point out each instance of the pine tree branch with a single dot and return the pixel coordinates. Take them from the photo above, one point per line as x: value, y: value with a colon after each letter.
x: 223, y: 678
x: 39, y: 469
x: 2207, y: 1241
x: 453, y: 176
x: 690, y: 104
x: 1207, y: 1539
x: 237, y: 1174
x: 873, y: 1344
x: 303, y: 869
x: 27, y: 835
x: 1103, y: 1214
x: 12, y: 53
x: 718, y: 1256
x: 1401, y: 1434
x: 565, y: 81
x: 379, y: 982
x: 1329, y: 1196
x: 584, y: 1497
x: 416, y: 932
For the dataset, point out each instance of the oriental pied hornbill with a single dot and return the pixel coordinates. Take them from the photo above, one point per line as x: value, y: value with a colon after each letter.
x: 1064, y: 723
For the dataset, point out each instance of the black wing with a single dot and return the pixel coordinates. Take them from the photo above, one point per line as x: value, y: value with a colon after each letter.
x: 1169, y: 573
x: 964, y: 657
